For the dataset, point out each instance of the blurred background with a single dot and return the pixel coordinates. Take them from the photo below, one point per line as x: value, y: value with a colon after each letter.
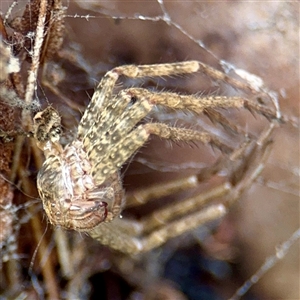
x: 212, y: 262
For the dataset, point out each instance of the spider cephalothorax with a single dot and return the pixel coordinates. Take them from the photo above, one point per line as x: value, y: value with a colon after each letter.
x: 70, y: 195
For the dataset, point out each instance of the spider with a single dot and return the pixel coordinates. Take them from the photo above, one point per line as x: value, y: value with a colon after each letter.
x: 80, y: 184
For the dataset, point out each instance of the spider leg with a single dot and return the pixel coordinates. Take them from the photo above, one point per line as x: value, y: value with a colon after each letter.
x: 104, y: 123
x: 188, y: 67
x: 103, y: 94
x: 231, y: 127
x: 119, y: 236
x: 114, y: 124
x: 132, y: 237
x: 178, y: 227
x: 198, y: 104
x: 114, y: 139
x: 110, y: 142
x: 236, y: 162
x: 242, y: 176
x: 143, y: 195
x: 182, y: 68
x: 182, y: 134
x: 101, y: 97
x: 137, y: 138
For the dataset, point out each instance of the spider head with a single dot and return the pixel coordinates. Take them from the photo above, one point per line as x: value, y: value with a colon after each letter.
x: 47, y: 127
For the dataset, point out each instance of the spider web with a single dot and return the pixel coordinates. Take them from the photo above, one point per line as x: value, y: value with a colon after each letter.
x: 259, y: 40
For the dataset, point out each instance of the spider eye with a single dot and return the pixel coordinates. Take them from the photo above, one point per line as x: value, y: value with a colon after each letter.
x: 133, y: 100
x: 57, y: 130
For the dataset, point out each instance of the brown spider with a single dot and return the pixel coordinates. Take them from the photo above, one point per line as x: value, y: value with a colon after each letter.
x: 80, y: 184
